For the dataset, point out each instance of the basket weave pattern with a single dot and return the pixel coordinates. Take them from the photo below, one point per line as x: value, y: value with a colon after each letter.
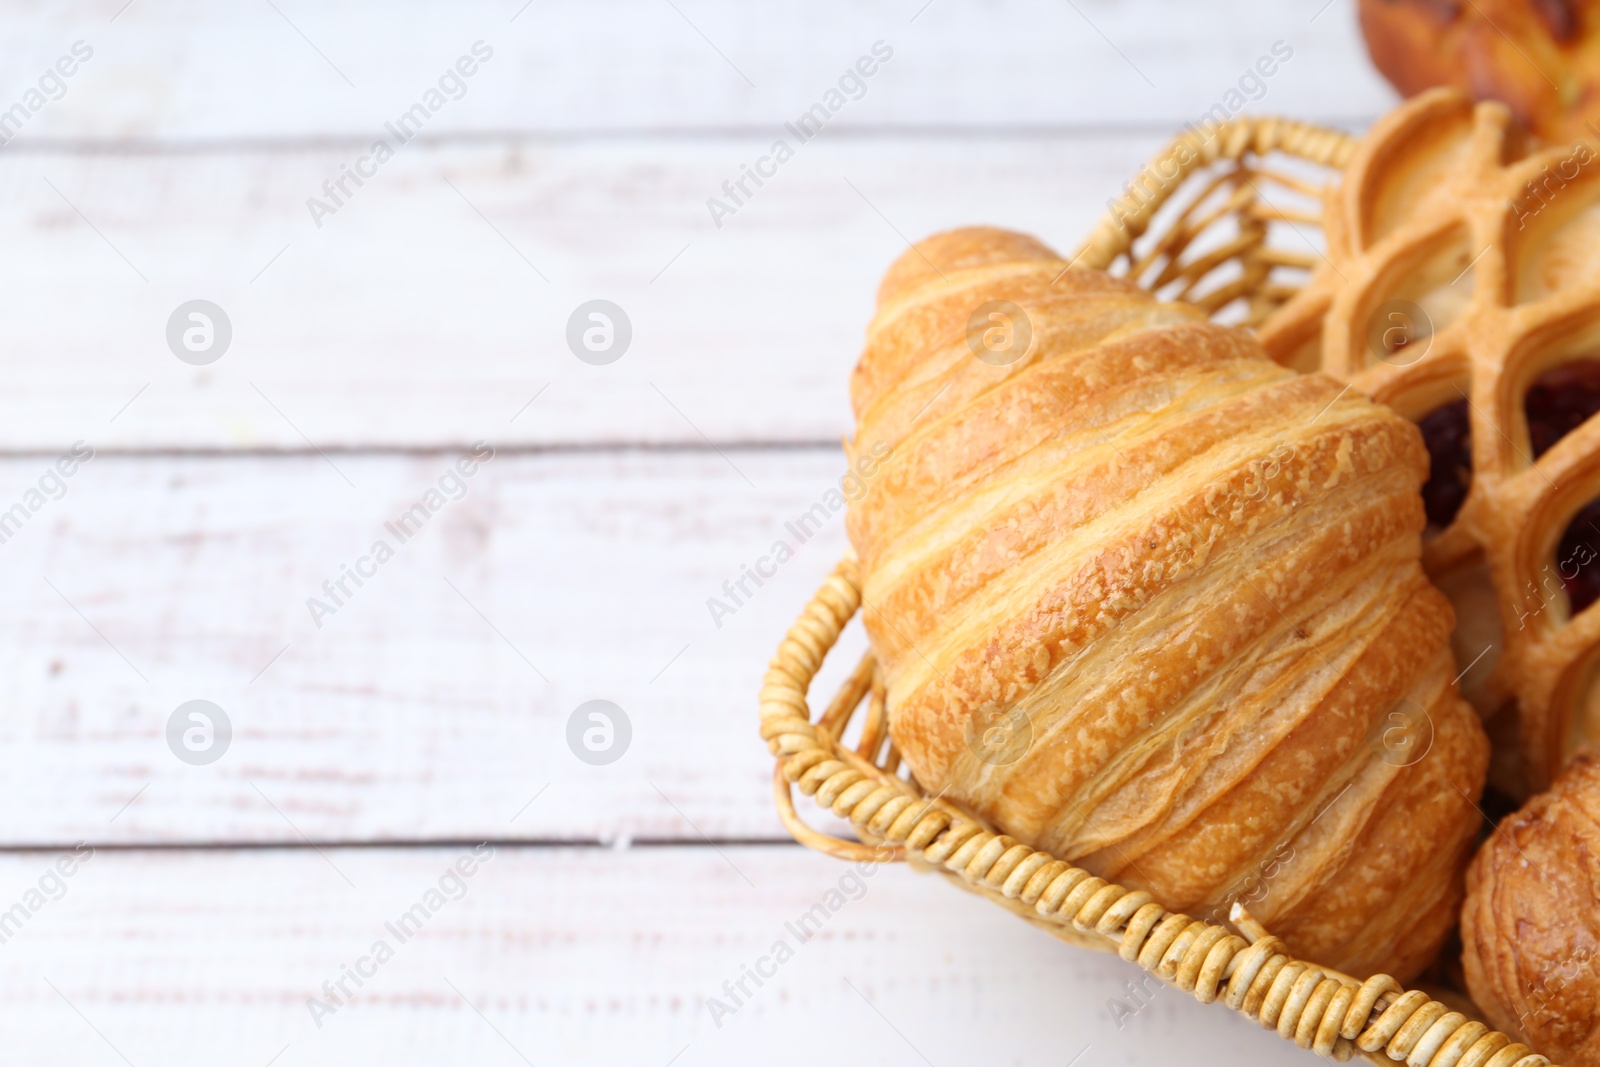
x: 1317, y: 1008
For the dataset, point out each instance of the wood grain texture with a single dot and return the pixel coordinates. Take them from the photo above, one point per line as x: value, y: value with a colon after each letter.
x: 410, y: 319
x: 586, y: 956
x: 433, y: 304
x: 406, y: 715
x: 189, y: 71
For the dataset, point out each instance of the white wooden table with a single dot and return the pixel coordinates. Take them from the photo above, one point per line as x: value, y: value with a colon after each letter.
x: 428, y: 712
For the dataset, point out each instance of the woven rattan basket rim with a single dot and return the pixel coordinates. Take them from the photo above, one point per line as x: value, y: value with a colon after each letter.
x: 1128, y: 216
x: 1317, y: 1008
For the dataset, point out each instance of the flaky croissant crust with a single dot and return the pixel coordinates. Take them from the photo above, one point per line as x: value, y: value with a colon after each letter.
x: 1530, y: 928
x: 1189, y: 576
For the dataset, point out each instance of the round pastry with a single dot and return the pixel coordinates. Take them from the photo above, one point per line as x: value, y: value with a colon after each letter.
x: 1540, y: 57
x: 1530, y: 928
x: 1461, y: 286
x: 1149, y: 601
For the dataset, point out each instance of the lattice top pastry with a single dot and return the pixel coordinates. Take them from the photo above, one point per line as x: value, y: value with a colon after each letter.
x: 1461, y: 285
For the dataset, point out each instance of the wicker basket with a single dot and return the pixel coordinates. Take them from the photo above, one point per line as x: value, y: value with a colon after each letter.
x: 1214, y: 246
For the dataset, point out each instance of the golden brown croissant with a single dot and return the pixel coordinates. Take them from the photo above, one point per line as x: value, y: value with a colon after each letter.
x: 1147, y: 600
x: 1530, y: 929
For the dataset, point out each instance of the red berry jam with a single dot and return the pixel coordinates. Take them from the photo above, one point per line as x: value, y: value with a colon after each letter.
x: 1560, y: 401
x: 1448, y: 434
x: 1578, y: 557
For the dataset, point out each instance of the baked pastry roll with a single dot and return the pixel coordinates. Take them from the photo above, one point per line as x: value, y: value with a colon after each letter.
x: 1541, y: 57
x: 1462, y: 287
x: 1147, y: 600
x: 1530, y: 928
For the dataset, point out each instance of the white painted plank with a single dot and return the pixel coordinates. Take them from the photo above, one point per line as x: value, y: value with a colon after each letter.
x: 585, y: 956
x: 407, y: 714
x: 410, y: 319
x: 188, y: 71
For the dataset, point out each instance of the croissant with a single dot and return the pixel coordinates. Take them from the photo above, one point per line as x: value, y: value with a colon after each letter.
x: 1145, y: 599
x: 1530, y: 930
